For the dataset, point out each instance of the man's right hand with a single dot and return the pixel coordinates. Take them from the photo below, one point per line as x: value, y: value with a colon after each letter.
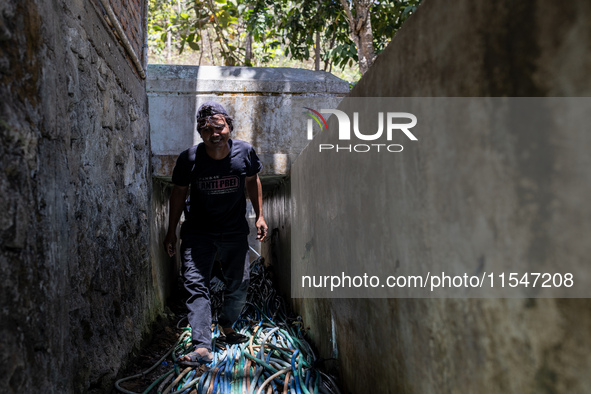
x: 170, y: 243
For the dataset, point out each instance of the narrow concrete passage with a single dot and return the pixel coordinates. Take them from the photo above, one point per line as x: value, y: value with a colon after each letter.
x: 84, y: 192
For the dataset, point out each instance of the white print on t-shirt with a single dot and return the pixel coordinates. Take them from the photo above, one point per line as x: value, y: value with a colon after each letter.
x: 219, y: 185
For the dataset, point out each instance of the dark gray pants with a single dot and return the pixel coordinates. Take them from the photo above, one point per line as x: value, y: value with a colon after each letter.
x: 198, y: 254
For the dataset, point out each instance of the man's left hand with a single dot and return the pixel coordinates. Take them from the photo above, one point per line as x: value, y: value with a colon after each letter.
x: 261, y: 229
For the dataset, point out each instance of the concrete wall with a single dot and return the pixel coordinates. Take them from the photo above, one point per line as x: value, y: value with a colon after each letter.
x: 261, y: 101
x: 165, y: 269
x: 529, y: 48
x: 78, y: 289
x: 277, y: 207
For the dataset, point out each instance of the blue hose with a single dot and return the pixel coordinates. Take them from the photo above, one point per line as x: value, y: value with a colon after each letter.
x: 217, y: 377
x: 295, y: 373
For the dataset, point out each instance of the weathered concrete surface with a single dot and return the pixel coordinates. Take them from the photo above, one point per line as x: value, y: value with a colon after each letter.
x: 165, y: 270
x: 77, y: 290
x: 261, y: 100
x: 276, y: 250
x: 534, y: 48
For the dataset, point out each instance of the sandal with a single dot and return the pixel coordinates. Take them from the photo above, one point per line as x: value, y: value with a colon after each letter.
x: 233, y: 338
x: 196, y: 359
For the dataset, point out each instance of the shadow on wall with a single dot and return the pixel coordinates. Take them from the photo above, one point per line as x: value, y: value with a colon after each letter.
x: 457, y: 345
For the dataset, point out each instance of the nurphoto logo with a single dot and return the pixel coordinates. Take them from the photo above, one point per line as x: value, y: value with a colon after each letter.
x: 393, y: 125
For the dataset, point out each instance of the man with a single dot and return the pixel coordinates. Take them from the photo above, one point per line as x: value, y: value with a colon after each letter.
x: 217, y: 171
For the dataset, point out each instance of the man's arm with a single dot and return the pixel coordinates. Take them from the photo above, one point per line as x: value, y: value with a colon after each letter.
x: 255, y: 193
x: 176, y: 206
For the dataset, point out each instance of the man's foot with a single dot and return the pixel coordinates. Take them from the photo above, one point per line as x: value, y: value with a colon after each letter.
x: 197, y: 357
x: 232, y: 337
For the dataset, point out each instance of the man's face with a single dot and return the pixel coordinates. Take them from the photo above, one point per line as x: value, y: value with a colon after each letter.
x: 214, y: 131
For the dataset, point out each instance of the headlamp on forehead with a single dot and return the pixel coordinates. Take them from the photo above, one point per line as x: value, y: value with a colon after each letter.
x: 214, y: 121
x: 213, y: 114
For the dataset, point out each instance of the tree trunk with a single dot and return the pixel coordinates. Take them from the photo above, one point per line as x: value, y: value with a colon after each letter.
x: 328, y: 59
x: 168, y: 46
x: 361, y: 32
x: 317, y: 52
x: 210, y: 48
x: 248, y: 44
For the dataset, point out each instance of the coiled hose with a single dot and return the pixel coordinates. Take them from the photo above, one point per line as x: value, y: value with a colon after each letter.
x: 276, y: 359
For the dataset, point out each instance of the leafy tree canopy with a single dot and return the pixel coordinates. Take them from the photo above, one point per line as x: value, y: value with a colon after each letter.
x: 254, y: 32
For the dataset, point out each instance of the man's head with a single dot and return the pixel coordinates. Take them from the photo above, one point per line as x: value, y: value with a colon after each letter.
x: 207, y: 112
x: 214, y: 126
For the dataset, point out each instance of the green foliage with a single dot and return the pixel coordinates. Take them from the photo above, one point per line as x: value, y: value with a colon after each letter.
x: 275, y: 29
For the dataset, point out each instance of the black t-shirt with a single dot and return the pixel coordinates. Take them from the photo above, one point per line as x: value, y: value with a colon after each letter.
x: 217, y: 203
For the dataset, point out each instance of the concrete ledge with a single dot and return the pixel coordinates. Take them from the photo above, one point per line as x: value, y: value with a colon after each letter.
x: 165, y: 79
